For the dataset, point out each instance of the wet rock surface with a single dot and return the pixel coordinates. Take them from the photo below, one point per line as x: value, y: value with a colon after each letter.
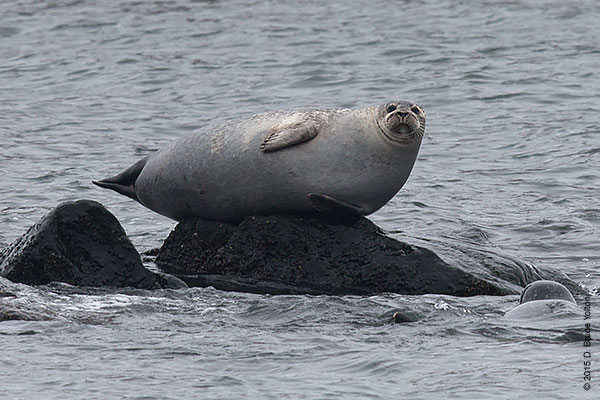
x: 82, y: 244
x: 295, y: 255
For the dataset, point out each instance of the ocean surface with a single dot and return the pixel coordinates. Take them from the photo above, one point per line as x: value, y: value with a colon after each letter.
x: 511, y: 163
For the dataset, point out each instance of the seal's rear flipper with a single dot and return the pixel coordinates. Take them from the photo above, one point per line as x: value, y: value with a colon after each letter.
x: 124, y: 183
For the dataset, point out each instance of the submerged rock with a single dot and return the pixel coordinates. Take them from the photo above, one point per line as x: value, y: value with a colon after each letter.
x: 295, y: 255
x: 82, y: 244
x: 401, y: 317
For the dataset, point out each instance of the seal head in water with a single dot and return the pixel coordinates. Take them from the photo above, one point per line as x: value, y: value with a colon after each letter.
x: 541, y: 298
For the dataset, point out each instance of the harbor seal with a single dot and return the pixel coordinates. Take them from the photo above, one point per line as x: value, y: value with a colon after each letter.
x: 330, y: 161
x: 545, y: 290
x: 543, y: 297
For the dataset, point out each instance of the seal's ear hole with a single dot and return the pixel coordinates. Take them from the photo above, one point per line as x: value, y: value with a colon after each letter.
x: 416, y: 110
x: 390, y: 108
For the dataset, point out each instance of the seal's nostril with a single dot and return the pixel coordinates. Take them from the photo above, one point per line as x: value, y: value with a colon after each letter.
x: 402, y: 113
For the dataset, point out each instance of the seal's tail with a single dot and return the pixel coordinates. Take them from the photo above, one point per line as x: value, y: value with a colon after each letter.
x: 124, y: 183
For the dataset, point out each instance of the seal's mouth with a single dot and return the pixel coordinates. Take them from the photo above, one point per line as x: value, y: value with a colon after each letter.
x: 402, y: 123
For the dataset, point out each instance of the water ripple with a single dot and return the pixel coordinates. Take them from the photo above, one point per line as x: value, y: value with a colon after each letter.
x: 509, y: 166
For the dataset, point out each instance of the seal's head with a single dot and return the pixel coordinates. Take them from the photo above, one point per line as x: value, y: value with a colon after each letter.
x: 401, y: 122
x: 545, y: 290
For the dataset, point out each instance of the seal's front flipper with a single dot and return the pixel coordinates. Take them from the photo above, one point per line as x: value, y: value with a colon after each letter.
x: 328, y: 205
x: 281, y: 138
x: 124, y: 183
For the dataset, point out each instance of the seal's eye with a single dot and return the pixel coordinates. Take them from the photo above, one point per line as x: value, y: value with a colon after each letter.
x: 390, y: 108
x: 416, y: 110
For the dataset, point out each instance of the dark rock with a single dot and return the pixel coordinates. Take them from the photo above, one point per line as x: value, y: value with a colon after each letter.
x: 192, y: 245
x: 295, y: 255
x: 12, y: 315
x: 82, y: 244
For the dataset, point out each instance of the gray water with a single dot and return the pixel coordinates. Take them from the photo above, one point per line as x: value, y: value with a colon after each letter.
x: 511, y: 164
